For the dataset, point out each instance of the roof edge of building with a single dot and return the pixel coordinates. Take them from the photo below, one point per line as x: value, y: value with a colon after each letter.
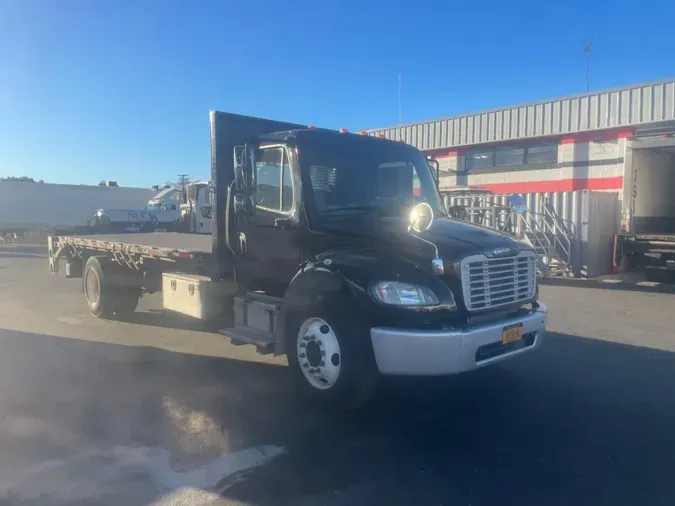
x: 525, y: 104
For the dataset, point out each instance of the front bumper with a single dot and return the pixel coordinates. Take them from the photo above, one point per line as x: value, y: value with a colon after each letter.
x: 452, y: 351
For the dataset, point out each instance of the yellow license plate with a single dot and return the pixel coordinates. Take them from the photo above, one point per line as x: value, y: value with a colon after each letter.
x: 512, y: 333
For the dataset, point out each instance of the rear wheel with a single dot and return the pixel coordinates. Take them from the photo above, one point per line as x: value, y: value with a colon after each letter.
x: 331, y: 356
x: 110, y: 290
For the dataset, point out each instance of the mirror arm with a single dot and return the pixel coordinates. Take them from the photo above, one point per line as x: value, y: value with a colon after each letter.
x: 229, y: 202
x: 428, y: 242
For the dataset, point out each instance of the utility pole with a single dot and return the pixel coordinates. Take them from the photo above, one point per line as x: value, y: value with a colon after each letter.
x: 183, y: 180
x: 587, y: 52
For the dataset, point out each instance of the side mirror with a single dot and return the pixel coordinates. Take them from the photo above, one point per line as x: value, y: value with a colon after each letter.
x: 435, y: 168
x: 517, y: 203
x: 239, y: 160
x: 249, y: 166
x: 421, y: 217
x: 244, y: 163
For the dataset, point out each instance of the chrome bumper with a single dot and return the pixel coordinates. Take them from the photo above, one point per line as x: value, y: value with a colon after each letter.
x: 439, y: 352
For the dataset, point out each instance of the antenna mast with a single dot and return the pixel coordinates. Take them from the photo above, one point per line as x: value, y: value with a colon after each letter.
x: 587, y: 52
x: 400, y: 99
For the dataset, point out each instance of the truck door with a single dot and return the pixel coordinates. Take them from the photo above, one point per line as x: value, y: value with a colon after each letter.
x: 269, y: 256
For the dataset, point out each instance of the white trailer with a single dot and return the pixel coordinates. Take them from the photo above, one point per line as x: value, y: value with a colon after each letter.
x: 27, y: 207
x: 647, y: 238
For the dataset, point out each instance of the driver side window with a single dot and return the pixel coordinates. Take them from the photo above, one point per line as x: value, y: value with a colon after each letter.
x: 274, y: 189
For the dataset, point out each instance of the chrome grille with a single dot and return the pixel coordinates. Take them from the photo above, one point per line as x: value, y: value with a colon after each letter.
x: 494, y: 282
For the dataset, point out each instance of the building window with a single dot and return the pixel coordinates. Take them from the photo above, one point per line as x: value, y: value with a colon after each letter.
x: 509, y: 155
x: 479, y: 159
x: 546, y: 152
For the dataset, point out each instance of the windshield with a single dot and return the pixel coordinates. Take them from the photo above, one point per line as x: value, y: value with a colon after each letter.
x: 352, y: 174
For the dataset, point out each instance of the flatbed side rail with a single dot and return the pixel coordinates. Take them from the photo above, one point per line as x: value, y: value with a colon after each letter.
x: 123, y: 253
x: 669, y: 238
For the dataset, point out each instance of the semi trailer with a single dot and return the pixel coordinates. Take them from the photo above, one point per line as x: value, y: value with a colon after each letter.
x: 27, y: 207
x: 646, y: 240
x: 334, y: 249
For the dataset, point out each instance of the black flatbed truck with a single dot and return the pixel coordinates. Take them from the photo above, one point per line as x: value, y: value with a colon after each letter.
x: 334, y: 249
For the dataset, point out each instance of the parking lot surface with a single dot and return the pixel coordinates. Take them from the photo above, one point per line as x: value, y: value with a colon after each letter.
x: 157, y: 411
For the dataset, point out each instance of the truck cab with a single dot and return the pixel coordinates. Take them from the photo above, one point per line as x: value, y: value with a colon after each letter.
x: 345, y: 259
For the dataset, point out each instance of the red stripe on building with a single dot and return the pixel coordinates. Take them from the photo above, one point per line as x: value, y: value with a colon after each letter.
x: 597, y: 136
x: 443, y: 153
x: 558, y: 185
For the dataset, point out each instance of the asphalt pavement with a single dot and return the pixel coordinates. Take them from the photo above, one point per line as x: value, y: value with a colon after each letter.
x: 157, y: 411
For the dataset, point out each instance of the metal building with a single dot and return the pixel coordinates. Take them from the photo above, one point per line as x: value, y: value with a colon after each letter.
x: 619, y: 141
x: 571, y: 143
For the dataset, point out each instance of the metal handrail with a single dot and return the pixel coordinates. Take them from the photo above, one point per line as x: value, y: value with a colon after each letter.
x: 551, y: 235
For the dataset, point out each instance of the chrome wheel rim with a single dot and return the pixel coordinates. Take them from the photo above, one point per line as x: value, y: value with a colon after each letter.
x: 91, y: 288
x: 318, y: 353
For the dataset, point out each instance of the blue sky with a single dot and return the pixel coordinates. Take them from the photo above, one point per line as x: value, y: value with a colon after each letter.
x: 121, y: 89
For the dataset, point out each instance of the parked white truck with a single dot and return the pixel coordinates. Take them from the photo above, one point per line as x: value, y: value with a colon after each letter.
x: 172, y: 209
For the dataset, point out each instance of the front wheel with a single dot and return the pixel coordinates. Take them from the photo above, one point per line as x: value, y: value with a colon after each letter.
x: 319, y: 354
x: 331, y: 357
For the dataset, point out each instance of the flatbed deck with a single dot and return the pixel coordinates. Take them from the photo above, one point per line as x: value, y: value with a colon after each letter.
x: 667, y: 237
x: 197, y: 243
x: 160, y: 245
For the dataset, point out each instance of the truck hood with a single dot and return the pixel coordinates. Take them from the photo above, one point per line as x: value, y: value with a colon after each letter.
x: 454, y: 239
x: 458, y: 239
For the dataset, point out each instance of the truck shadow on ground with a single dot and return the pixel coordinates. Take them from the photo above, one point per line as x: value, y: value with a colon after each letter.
x: 168, y: 319
x: 611, y: 284
x: 581, y: 422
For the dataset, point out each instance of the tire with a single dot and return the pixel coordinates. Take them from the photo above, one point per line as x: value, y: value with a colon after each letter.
x: 332, y: 342
x: 110, y: 291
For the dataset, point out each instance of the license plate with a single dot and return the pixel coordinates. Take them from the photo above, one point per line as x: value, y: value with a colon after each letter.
x: 512, y: 333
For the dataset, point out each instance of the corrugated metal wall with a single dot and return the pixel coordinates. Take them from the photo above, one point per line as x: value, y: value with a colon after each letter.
x: 599, y: 223
x: 592, y: 217
x: 628, y: 106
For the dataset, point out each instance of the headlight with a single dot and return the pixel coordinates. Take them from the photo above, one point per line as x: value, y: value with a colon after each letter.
x: 404, y: 294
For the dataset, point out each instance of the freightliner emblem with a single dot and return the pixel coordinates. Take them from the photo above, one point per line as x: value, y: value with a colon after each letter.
x: 500, y: 252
